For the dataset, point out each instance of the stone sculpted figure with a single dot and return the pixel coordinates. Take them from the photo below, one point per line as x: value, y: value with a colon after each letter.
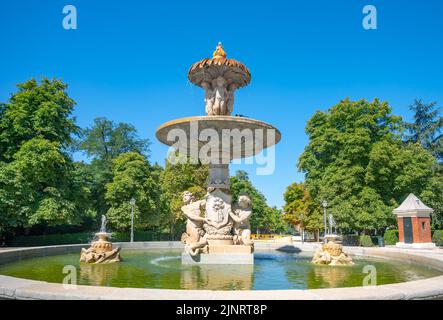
x: 218, y: 206
x: 230, y: 98
x: 241, y: 213
x: 219, y: 86
x: 194, y: 238
x: 209, y: 97
x: 219, y: 96
x: 90, y: 255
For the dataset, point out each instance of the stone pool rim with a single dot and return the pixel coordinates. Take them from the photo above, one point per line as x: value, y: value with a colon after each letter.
x: 429, y: 288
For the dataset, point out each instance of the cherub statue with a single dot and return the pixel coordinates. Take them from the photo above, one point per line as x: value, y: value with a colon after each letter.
x: 194, y: 238
x: 241, y: 213
x: 220, y: 92
x: 230, y: 98
x: 209, y: 97
x: 219, y: 96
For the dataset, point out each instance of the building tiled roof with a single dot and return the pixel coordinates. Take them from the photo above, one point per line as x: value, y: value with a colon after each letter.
x: 412, y: 203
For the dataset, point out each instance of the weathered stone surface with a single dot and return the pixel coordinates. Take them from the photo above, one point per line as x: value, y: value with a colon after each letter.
x: 230, y: 249
x: 332, y: 254
x: 193, y: 126
x: 101, y: 251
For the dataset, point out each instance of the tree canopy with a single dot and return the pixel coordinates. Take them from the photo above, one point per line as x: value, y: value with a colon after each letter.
x: 133, y: 177
x: 426, y: 128
x: 106, y: 140
x: 357, y: 161
x: 37, y: 183
x: 301, y: 209
x: 264, y: 219
x: 37, y: 110
x: 174, y: 180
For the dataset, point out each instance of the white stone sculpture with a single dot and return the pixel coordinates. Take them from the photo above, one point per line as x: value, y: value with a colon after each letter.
x: 218, y: 206
x: 209, y: 97
x: 230, y: 98
x: 219, y: 96
x: 194, y: 238
x: 241, y: 213
x: 331, y: 253
x: 211, y: 225
x: 214, y: 227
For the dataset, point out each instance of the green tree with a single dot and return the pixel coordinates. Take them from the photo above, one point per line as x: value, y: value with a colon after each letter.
x: 356, y: 160
x: 133, y: 177
x: 426, y: 127
x: 36, y: 110
x: 301, y: 209
x: 264, y: 219
x: 37, y: 179
x: 174, y: 180
x: 103, y: 142
x: 106, y: 140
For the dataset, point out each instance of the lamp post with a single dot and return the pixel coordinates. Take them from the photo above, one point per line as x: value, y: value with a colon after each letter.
x: 132, y: 202
x: 302, y: 230
x: 324, y: 203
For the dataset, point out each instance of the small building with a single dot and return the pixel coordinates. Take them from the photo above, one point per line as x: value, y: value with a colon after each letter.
x: 414, y: 224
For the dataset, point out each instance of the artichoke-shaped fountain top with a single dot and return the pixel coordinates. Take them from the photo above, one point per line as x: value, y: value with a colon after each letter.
x: 219, y: 51
x: 208, y: 69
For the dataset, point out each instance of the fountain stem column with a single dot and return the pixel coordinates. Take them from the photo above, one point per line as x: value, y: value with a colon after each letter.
x: 219, y: 176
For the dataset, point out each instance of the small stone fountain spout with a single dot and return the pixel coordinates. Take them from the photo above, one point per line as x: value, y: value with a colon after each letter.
x: 103, y: 226
x: 331, y: 253
x: 101, y: 249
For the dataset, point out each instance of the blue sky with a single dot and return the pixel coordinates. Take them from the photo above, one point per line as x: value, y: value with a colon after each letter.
x: 128, y: 60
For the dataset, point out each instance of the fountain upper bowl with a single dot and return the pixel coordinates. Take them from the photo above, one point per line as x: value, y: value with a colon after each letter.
x: 248, y: 136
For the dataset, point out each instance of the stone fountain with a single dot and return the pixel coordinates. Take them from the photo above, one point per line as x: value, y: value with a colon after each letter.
x: 331, y: 253
x: 217, y: 231
x: 101, y: 250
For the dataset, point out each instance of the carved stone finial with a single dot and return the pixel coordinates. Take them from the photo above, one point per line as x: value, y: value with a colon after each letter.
x: 219, y: 51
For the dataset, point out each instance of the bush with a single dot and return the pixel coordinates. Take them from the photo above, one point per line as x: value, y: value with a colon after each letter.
x: 87, y: 237
x: 437, y: 238
x: 351, y: 240
x: 365, y: 241
x: 391, y: 237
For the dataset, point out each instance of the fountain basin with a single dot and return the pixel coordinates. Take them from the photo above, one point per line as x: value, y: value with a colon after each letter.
x: 14, y: 287
x: 193, y: 126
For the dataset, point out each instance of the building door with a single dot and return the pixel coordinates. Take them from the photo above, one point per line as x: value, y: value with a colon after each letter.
x: 407, y: 229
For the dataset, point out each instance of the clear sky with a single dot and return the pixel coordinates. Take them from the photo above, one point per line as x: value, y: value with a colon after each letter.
x: 128, y: 60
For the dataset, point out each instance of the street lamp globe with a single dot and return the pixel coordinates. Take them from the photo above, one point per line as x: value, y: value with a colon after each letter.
x: 132, y: 201
x: 324, y: 203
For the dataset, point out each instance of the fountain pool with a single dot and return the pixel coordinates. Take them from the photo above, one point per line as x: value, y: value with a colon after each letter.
x: 162, y: 269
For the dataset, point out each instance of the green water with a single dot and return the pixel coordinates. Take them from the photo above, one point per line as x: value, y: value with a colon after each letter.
x: 163, y: 269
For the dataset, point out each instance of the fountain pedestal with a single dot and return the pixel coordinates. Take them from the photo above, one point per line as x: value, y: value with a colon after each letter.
x: 331, y: 253
x: 101, y: 250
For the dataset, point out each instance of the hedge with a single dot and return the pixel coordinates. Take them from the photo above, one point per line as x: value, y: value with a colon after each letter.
x: 391, y: 237
x: 437, y: 238
x: 351, y: 240
x: 365, y: 241
x: 86, y: 237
